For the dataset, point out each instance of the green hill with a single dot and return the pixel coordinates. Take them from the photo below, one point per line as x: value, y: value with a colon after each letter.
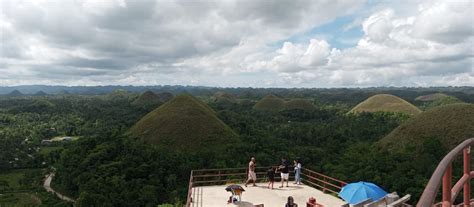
x: 270, y: 103
x: 223, y: 97
x: 146, y: 99
x: 450, y: 123
x: 164, y: 96
x: 40, y: 93
x: 15, y: 93
x: 438, y: 100
x: 299, y: 104
x: 431, y: 97
x: 386, y: 103
x: 184, y: 123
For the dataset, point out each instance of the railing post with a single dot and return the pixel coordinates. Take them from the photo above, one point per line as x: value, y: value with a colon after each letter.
x: 447, y: 186
x: 324, y: 184
x: 467, y: 171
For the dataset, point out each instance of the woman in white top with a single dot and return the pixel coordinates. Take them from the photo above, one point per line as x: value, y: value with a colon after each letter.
x: 297, y: 165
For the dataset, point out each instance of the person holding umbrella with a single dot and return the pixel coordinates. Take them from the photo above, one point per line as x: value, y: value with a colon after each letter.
x: 252, y: 176
x: 236, y: 191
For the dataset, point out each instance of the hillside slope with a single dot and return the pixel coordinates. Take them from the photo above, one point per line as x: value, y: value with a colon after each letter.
x: 270, y: 103
x: 386, y: 103
x: 450, y: 123
x: 184, y: 123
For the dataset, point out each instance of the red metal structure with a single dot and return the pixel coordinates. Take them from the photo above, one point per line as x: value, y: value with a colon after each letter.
x: 223, y: 176
x: 444, y: 172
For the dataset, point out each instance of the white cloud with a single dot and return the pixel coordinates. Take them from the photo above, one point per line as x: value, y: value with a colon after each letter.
x: 232, y: 43
x: 393, y: 51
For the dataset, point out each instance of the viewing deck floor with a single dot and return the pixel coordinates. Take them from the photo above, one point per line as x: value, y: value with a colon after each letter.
x: 216, y: 196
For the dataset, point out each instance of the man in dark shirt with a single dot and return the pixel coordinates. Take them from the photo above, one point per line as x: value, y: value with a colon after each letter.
x: 271, y: 176
x: 284, y: 167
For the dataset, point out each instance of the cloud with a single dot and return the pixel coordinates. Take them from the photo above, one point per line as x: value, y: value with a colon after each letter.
x: 393, y: 51
x: 232, y: 43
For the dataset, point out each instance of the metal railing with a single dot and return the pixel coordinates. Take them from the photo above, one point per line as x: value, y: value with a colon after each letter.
x: 321, y: 181
x: 444, y: 172
x: 222, y: 176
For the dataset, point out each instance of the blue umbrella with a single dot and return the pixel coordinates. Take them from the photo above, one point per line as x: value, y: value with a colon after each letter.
x: 355, y: 193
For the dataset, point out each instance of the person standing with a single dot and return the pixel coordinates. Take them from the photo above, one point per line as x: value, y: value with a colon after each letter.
x: 271, y: 176
x: 252, y: 176
x: 284, y: 167
x: 297, y: 165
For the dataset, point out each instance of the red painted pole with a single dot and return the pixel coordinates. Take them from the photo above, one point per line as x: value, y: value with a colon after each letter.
x: 467, y: 171
x: 447, y: 186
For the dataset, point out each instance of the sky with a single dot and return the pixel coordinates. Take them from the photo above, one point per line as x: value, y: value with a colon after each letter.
x: 245, y: 43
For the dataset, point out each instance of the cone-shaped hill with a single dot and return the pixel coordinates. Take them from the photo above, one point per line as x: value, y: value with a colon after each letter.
x: 270, y: 103
x: 41, y: 93
x: 164, y: 96
x: 147, y: 98
x: 436, y: 99
x: 15, y: 93
x: 386, y: 103
x: 431, y: 97
x: 299, y: 104
x: 223, y: 97
x: 450, y: 123
x: 185, y: 124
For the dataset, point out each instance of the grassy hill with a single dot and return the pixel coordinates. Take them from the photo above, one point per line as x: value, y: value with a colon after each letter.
x: 270, y: 103
x: 300, y: 104
x: 147, y: 98
x: 435, y: 100
x: 15, y: 93
x: 184, y: 123
x: 386, y: 103
x: 431, y: 97
x: 450, y: 123
x: 223, y: 97
x: 164, y: 96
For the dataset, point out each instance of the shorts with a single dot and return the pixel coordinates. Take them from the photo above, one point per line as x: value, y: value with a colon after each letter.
x: 252, y: 175
x: 285, y: 176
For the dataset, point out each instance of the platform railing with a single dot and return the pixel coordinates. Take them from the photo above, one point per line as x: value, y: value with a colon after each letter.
x: 443, y: 172
x: 321, y: 181
x: 222, y: 176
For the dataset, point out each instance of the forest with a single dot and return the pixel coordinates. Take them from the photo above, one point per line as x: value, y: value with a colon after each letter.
x: 107, y: 166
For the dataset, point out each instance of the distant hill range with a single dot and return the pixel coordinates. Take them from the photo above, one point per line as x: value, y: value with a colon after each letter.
x: 451, y: 123
x: 185, y: 124
x: 386, y: 103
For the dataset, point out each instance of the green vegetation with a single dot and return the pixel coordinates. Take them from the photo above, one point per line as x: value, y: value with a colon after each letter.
x: 386, y: 103
x: 184, y: 123
x: 441, y: 102
x: 299, y: 104
x: 451, y: 124
x: 49, y: 149
x: 109, y: 166
x: 270, y: 103
x: 19, y: 199
x: 147, y: 99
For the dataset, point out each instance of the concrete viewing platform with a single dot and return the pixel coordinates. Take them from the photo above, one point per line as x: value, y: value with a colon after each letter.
x: 217, y: 196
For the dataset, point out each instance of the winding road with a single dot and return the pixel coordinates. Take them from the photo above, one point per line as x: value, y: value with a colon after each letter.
x: 47, y: 186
